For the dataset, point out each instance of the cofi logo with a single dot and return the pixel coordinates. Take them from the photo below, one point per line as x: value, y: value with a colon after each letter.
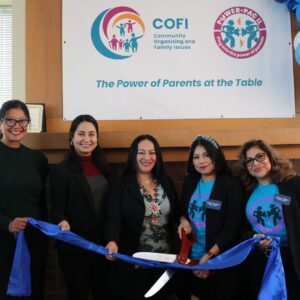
x: 170, y: 23
x: 116, y: 33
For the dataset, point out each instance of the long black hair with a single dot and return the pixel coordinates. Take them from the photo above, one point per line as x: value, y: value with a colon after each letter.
x: 97, y: 154
x: 10, y: 104
x: 158, y: 171
x: 213, y: 151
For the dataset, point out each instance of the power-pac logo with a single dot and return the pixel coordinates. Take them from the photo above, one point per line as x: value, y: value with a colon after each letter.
x: 240, y: 32
x: 116, y: 32
x: 266, y: 215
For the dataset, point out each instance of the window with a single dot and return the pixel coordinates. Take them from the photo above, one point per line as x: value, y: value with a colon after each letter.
x: 5, y: 53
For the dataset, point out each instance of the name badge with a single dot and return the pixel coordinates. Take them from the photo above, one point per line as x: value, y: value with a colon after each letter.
x: 283, y: 199
x: 213, y: 204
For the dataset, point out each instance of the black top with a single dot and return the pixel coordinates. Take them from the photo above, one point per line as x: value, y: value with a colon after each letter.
x: 222, y: 226
x: 22, y: 184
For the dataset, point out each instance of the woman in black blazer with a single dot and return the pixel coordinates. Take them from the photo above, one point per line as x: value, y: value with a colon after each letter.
x: 79, y: 187
x: 212, y: 207
x: 142, y: 215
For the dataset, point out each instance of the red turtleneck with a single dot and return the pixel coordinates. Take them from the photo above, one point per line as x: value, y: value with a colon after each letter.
x: 88, y: 166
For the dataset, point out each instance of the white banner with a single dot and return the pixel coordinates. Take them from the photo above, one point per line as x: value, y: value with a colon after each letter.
x: 176, y: 59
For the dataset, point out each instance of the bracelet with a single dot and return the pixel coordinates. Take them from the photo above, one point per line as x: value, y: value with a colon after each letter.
x: 9, y: 226
x: 210, y: 254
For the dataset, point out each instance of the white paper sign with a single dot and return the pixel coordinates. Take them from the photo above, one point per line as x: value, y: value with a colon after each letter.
x: 177, y: 59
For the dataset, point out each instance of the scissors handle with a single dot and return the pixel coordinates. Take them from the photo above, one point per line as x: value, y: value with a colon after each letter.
x: 186, y: 244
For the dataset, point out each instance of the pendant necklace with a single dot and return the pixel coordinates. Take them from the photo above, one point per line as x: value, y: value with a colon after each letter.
x: 152, y: 201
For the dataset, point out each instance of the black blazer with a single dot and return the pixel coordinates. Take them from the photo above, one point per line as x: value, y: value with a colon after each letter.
x: 126, y: 211
x: 222, y: 226
x: 72, y: 200
x: 291, y: 218
x: 125, y: 216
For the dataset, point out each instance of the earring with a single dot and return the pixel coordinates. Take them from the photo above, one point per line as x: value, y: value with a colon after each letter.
x: 71, y: 143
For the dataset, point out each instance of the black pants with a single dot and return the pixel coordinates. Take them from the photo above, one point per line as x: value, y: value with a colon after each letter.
x: 253, y: 270
x: 37, y: 248
x: 220, y: 285
x: 140, y: 283
x: 85, y: 273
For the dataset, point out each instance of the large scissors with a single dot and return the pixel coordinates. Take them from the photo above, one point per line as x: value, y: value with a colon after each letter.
x: 181, y: 258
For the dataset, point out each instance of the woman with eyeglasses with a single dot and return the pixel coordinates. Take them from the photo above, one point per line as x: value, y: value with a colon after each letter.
x: 142, y: 216
x: 272, y: 210
x: 213, y: 203
x: 22, y: 195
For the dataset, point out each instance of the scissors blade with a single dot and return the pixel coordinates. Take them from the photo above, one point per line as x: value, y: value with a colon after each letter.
x: 162, y: 280
x: 161, y: 257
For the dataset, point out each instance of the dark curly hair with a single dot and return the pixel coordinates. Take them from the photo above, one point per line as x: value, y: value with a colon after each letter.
x: 281, y: 168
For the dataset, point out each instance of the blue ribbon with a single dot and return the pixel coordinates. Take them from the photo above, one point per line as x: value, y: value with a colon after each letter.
x: 20, y: 280
x: 273, y: 284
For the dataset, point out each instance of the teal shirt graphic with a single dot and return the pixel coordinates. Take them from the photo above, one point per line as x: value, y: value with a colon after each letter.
x: 264, y: 214
x: 197, y: 216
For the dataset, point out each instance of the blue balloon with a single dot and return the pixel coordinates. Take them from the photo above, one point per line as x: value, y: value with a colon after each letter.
x: 292, y: 5
x: 298, y: 13
x: 297, y: 54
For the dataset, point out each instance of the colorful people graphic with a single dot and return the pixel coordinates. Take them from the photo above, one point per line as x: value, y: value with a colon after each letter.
x: 133, y: 42
x: 126, y: 45
x: 251, y: 29
x: 121, y: 42
x: 129, y: 26
x: 130, y: 44
x: 122, y: 29
x: 229, y: 31
x: 113, y: 43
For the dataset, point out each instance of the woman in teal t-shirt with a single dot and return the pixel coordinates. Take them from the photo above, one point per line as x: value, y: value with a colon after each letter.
x: 212, y: 207
x: 272, y: 210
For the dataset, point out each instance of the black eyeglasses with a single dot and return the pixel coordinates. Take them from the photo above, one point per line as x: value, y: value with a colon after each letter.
x: 13, y: 122
x: 259, y: 157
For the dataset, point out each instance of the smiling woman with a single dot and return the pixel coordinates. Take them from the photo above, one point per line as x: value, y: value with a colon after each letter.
x: 142, y: 216
x: 79, y: 188
x: 14, y: 126
x: 212, y: 201
x: 22, y: 187
x: 272, y: 210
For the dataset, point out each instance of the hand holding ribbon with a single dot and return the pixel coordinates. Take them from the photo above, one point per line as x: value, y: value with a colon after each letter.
x: 273, y: 285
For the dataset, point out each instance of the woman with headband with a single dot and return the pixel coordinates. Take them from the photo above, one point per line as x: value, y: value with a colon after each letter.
x: 272, y: 210
x: 213, y: 203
